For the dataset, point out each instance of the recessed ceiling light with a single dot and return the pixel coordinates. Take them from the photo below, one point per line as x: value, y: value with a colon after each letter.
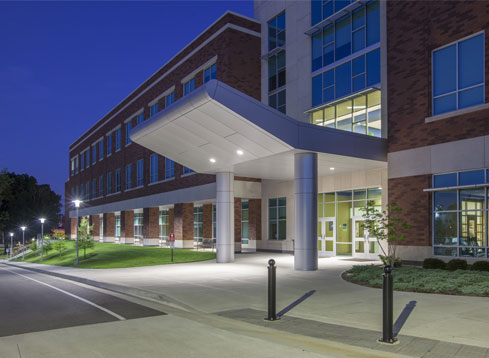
x: 212, y: 160
x: 239, y: 152
x: 331, y: 168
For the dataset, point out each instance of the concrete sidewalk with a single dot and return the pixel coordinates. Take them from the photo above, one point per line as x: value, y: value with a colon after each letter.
x: 208, y: 287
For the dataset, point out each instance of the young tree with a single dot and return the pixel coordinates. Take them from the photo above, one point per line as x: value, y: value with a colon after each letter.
x: 60, y: 244
x: 388, y: 226
x: 85, y: 236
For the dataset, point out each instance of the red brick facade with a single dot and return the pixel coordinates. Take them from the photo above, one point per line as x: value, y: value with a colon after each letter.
x: 415, y: 29
x: 207, y: 221
x: 127, y: 223
x: 254, y: 219
x: 237, y: 219
x: 150, y: 223
x: 109, y: 225
x: 95, y: 222
x: 183, y: 222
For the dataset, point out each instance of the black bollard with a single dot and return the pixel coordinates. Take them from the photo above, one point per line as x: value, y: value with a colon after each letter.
x: 387, y: 306
x: 272, y: 291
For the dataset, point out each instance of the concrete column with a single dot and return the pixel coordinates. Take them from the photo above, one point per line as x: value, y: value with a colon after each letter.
x: 306, y: 213
x: 224, y: 217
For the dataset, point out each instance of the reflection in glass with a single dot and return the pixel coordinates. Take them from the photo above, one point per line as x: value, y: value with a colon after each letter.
x: 445, y: 229
x: 445, y: 200
x: 472, y: 199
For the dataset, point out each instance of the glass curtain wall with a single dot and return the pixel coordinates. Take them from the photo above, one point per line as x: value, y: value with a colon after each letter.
x: 163, y: 221
x: 138, y: 227
x: 198, y: 224
x: 244, y: 222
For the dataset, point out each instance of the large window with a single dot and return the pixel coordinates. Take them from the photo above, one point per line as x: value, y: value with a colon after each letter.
x: 170, y: 99
x: 360, y: 114
x: 94, y: 154
x: 198, y: 224
x: 117, y: 180
x: 128, y: 176
x: 351, y: 33
x: 169, y: 168
x: 138, y: 226
x: 210, y: 73
x: 276, y: 32
x: 109, y: 183
x: 459, y: 214
x: 117, y: 232
x: 118, y: 139
x: 322, y: 9
x: 187, y: 170
x: 352, y: 76
x: 140, y: 118
x: 276, y: 63
x: 128, y: 132
x: 153, y: 109
x: 188, y: 86
x: 82, y: 161
x: 277, y: 219
x: 164, y: 219
x: 140, y: 173
x: 153, y: 175
x: 101, y: 149
x: 87, y: 158
x: 109, y: 144
x: 244, y: 221
x: 101, y: 186
x: 458, y: 75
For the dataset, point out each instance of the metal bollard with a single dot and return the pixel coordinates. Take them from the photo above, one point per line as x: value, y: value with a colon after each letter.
x: 387, y: 306
x: 272, y: 291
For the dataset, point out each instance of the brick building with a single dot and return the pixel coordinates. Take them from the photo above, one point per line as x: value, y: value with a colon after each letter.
x: 273, y: 133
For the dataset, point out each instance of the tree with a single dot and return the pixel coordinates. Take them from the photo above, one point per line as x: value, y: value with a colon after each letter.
x: 23, y: 201
x: 59, y: 245
x: 85, y: 236
x: 388, y: 226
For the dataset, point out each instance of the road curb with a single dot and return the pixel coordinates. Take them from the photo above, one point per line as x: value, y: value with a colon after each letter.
x: 126, y: 290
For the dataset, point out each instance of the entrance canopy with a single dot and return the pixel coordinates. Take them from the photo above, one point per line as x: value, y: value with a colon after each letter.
x: 218, y: 129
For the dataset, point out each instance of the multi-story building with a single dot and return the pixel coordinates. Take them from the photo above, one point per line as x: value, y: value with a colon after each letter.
x: 273, y: 133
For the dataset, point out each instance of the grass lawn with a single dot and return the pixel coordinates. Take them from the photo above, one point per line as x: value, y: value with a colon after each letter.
x: 105, y: 255
x: 417, y: 279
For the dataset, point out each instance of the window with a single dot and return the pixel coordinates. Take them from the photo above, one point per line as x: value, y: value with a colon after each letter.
x: 87, y: 190
x: 153, y: 175
x: 458, y: 75
x: 82, y: 161
x: 188, y: 86
x: 128, y: 176
x: 360, y: 114
x: 72, y: 193
x: 73, y: 167
x: 117, y: 139
x: 76, y: 165
x: 128, y: 132
x: 164, y: 219
x: 276, y: 64
x: 101, y: 226
x: 187, y: 170
x: 101, y: 186
x: 277, y: 219
x: 87, y: 158
x: 138, y: 226
x: 101, y: 150
x: 109, y: 183
x: 459, y: 214
x: 94, y: 154
x: 169, y: 168
x: 276, y: 32
x: 82, y: 192
x: 109, y: 144
x: 351, y: 33
x: 214, y: 222
x: 198, y: 224
x: 210, y: 73
x: 153, y: 109
x: 169, y: 99
x: 140, y: 118
x: 244, y: 221
x: 117, y: 180
x: 94, y: 188
x: 352, y: 76
x: 140, y: 173
x: 117, y: 231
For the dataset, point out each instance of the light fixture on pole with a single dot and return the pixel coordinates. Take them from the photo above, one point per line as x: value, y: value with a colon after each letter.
x: 23, y: 243
x: 77, y: 205
x: 42, y: 220
x: 11, y: 243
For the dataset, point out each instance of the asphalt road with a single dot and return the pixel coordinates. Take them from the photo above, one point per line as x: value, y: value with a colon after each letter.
x: 33, y: 302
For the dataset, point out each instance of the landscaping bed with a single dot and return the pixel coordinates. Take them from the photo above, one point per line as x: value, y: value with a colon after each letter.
x: 418, y: 279
x: 106, y: 255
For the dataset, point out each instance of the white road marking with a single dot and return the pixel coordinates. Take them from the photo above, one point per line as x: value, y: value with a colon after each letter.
x: 119, y: 317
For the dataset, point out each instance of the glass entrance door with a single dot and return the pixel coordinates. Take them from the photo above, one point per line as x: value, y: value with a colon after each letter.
x: 326, y: 237
x: 363, y: 245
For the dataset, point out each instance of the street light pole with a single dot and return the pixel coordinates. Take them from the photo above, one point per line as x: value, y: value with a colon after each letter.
x: 23, y: 243
x: 77, y: 205
x: 11, y: 243
x: 42, y: 238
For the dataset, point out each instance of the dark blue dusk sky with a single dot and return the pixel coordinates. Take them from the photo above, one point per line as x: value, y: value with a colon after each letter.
x: 64, y: 65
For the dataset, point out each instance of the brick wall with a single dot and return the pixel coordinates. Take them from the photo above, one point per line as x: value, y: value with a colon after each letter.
x: 207, y: 218
x: 73, y: 226
x: 414, y: 29
x: 416, y: 207
x: 237, y: 219
x: 95, y: 221
x: 183, y: 221
x: 109, y: 225
x: 171, y: 216
x: 254, y: 219
x: 151, y: 228
x: 127, y: 223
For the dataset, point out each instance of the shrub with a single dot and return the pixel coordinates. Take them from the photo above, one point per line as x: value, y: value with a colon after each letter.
x: 33, y: 245
x: 432, y: 263
x: 456, y: 264
x: 480, y: 266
